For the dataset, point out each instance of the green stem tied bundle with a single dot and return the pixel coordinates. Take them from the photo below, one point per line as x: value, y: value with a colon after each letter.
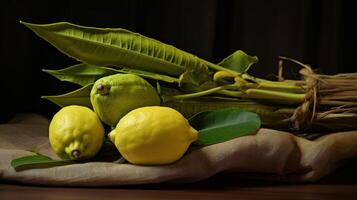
x: 314, y: 102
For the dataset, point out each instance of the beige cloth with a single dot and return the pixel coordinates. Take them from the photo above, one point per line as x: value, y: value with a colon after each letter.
x: 269, y: 154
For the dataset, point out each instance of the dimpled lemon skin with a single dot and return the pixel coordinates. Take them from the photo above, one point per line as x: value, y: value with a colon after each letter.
x: 76, y: 133
x: 115, y: 95
x: 153, y: 135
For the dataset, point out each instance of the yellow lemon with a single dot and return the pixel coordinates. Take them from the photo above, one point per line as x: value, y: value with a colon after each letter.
x: 76, y: 133
x: 153, y: 135
x: 114, y: 96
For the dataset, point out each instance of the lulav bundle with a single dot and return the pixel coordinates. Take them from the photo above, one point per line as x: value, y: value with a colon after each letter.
x: 191, y: 84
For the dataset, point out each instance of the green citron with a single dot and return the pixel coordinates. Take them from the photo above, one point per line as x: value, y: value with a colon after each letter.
x: 114, y: 96
x: 76, y: 133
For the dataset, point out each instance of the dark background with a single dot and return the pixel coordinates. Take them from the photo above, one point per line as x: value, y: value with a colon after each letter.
x: 318, y: 32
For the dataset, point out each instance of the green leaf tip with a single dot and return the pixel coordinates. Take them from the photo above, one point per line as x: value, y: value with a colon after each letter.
x: 80, y: 96
x: 24, y: 23
x: 27, y: 24
x: 239, y: 61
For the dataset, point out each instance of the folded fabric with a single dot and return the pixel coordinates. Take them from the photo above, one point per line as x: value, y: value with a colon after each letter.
x: 269, y: 154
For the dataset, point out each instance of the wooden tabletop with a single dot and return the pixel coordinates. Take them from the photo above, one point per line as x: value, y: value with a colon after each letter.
x: 340, y: 185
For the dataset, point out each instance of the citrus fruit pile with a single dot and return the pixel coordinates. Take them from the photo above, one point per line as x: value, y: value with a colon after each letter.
x: 145, y: 133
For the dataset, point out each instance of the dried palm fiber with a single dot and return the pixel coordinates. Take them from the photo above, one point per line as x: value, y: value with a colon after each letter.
x: 330, y: 101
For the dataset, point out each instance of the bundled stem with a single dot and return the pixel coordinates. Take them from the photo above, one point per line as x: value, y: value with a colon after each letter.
x: 318, y: 102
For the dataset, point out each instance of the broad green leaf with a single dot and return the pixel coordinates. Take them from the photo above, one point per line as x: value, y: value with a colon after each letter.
x: 223, y: 125
x: 78, y: 97
x: 37, y: 161
x: 239, y: 61
x: 107, y: 153
x: 82, y: 74
x: 116, y: 47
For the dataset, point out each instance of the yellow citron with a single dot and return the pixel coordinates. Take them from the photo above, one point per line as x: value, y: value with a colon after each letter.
x: 153, y: 135
x: 76, y: 133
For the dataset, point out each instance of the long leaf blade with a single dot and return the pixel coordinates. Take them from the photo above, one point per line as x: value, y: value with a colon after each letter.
x: 239, y: 61
x: 82, y: 74
x: 115, y: 47
x: 37, y: 161
x: 78, y: 97
x: 224, y: 124
x: 125, y: 49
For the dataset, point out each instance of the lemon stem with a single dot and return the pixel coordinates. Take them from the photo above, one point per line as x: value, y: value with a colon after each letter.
x: 76, y: 153
x: 103, y: 89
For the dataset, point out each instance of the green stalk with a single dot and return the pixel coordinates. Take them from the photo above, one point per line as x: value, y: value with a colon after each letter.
x: 199, y: 94
x: 254, y: 92
x: 282, y: 97
x: 267, y: 85
x: 290, y: 83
